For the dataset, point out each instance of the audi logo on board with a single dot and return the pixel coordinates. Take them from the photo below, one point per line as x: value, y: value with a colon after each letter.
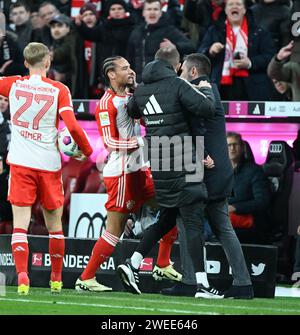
x: 90, y: 229
x: 275, y: 148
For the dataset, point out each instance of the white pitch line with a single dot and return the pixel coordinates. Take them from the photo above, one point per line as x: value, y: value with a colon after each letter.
x: 98, y: 295
x: 196, y: 304
x: 105, y: 305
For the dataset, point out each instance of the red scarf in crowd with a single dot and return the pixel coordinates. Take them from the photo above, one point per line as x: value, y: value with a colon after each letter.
x: 216, y: 10
x: 235, y: 43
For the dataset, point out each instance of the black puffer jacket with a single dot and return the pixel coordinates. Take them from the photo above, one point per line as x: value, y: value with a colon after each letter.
x: 165, y: 101
x: 145, y: 39
x: 274, y: 17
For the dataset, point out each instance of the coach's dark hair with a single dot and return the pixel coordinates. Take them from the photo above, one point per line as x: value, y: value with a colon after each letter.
x: 168, y: 54
x: 201, y: 63
x: 109, y: 65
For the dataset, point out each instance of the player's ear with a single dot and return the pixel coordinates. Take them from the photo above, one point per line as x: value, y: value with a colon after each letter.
x: 111, y: 75
x: 47, y: 63
x: 26, y: 64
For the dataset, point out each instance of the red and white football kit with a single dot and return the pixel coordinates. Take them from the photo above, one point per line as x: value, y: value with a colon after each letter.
x: 35, y: 106
x: 126, y: 175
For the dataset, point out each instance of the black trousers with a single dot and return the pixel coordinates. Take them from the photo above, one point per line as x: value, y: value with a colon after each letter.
x: 218, y: 217
x: 193, y: 221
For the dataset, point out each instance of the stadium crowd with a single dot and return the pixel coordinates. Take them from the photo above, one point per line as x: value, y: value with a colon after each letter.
x: 81, y: 37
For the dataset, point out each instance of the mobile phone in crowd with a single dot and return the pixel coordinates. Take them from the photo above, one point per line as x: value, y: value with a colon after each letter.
x: 237, y: 55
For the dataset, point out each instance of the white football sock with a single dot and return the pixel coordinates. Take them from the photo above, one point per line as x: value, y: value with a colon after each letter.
x: 136, y: 260
x: 201, y: 278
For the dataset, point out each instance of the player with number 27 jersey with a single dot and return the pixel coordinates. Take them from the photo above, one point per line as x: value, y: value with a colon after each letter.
x: 35, y: 105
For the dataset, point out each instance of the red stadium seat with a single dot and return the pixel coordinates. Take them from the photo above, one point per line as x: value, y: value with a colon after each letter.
x: 6, y: 227
x: 94, y: 183
x: 74, y: 176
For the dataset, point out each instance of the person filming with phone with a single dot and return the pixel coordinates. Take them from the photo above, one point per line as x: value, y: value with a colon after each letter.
x: 239, y: 52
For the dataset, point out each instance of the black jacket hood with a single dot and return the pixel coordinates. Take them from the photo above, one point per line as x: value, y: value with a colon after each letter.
x: 157, y: 70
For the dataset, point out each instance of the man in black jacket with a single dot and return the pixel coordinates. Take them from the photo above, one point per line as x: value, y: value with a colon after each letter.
x: 240, y: 53
x: 251, y: 194
x: 165, y: 101
x: 219, y: 183
x: 154, y: 33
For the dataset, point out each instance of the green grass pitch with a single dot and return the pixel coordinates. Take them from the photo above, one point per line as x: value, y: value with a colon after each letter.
x: 40, y: 301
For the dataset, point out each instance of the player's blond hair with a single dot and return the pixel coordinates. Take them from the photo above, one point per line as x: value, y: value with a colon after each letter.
x: 34, y: 53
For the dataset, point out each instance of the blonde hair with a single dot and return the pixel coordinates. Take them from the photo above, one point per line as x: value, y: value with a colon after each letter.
x: 34, y: 53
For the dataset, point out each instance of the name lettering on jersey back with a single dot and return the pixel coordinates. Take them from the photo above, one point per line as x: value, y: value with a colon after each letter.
x: 36, y: 89
x: 31, y: 136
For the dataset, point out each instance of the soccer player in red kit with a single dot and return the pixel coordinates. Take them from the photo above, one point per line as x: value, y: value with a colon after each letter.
x: 36, y: 103
x: 128, y: 180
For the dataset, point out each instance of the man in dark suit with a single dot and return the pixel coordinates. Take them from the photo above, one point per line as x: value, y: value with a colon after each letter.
x: 219, y: 182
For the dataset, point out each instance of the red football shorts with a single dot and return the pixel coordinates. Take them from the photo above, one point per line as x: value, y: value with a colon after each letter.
x: 128, y: 192
x: 26, y: 185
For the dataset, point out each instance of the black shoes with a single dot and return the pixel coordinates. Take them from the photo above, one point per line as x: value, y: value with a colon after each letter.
x: 208, y: 293
x: 239, y: 292
x: 129, y: 277
x: 181, y: 290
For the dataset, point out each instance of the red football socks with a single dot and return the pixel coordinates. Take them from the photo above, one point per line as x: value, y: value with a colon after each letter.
x: 165, y: 248
x: 56, y: 251
x: 103, y: 248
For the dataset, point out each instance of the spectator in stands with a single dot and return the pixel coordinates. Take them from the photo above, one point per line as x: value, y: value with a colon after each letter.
x: 153, y: 34
x: 117, y: 27
x: 35, y: 19
x: 88, y: 31
x: 170, y: 7
x: 112, y: 33
x: 20, y: 16
x: 273, y: 16
x: 62, y: 51
x: 5, y: 207
x: 251, y: 195
x: 64, y: 6
x: 11, y: 59
x: 240, y: 52
x: 285, y: 66
x: 47, y: 11
x: 283, y: 91
x: 199, y: 15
